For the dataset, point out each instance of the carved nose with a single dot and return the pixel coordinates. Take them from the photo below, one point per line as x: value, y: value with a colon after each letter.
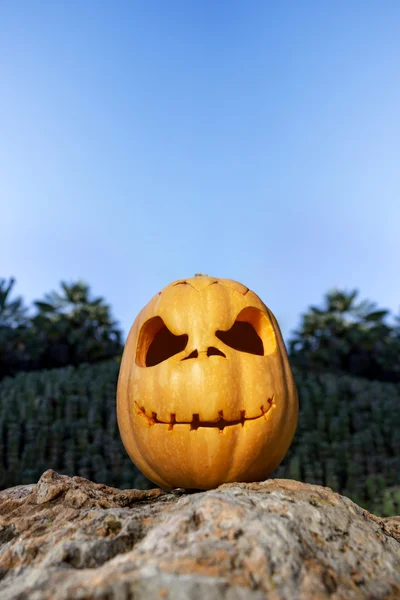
x: 211, y: 351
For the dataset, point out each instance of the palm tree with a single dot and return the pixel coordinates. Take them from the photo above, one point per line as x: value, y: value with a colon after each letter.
x: 344, y: 335
x: 14, y: 328
x: 12, y: 312
x: 77, y: 327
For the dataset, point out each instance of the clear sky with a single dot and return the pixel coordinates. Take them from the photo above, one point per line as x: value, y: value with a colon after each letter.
x: 144, y: 141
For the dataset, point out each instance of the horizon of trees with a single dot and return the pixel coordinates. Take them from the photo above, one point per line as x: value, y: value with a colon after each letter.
x: 70, y: 326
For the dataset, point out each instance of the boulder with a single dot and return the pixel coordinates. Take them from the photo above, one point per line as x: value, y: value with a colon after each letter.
x: 69, y: 538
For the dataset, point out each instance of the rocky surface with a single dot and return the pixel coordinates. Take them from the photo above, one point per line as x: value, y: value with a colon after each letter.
x: 71, y: 538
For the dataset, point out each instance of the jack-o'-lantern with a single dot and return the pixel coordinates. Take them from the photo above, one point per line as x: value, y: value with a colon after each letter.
x: 205, y: 391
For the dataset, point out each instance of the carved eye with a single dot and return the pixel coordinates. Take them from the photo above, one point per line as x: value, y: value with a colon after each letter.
x: 243, y: 337
x: 157, y: 343
x: 251, y: 332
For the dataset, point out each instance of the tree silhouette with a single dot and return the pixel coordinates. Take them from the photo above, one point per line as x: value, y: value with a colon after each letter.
x: 14, y: 326
x: 347, y: 336
x: 74, y: 327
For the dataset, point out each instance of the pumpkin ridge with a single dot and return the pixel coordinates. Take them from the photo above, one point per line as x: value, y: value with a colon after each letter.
x: 195, y: 423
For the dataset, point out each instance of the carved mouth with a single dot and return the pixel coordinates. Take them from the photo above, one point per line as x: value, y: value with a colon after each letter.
x: 195, y: 423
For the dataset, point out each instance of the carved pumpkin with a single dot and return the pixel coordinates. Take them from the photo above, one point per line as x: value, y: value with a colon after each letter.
x: 205, y: 391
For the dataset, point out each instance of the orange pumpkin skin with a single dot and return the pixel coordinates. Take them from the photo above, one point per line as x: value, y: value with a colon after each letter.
x: 215, y: 411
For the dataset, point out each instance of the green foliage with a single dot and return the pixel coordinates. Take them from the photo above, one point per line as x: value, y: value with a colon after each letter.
x: 14, y: 331
x: 68, y: 328
x: 64, y: 419
x: 347, y: 337
x: 348, y: 439
x: 12, y: 312
x: 74, y: 328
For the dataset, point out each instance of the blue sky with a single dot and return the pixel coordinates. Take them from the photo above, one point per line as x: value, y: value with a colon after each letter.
x: 144, y: 141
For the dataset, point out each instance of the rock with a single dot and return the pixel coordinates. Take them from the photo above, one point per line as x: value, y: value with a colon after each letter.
x: 69, y: 538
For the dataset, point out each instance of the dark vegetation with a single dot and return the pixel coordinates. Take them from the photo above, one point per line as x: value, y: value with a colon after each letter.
x: 345, y: 358
x: 66, y: 328
x: 348, y: 337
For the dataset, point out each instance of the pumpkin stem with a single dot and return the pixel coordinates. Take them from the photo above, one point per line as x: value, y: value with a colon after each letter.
x: 200, y: 275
